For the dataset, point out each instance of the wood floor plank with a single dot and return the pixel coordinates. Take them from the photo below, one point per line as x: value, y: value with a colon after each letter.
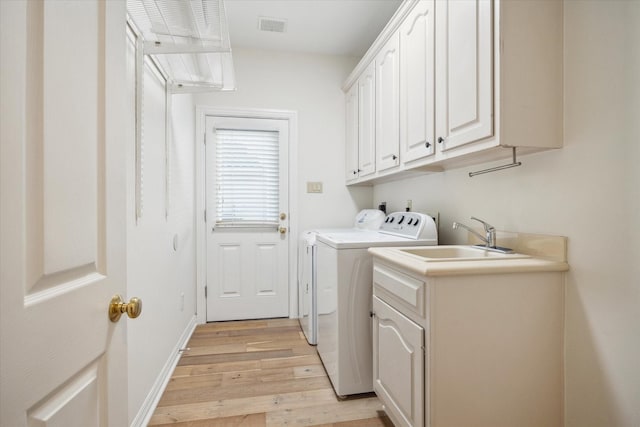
x: 215, y: 348
x: 229, y: 326
x: 241, y: 344
x: 278, y: 345
x: 379, y: 421
x: 257, y: 373
x: 240, y: 406
x: 223, y: 379
x: 246, y: 365
x: 230, y: 337
x: 230, y: 357
x: 209, y: 393
x: 301, y: 360
x: 212, y: 368
x: 330, y: 413
x: 233, y: 332
x: 309, y: 371
x: 249, y: 420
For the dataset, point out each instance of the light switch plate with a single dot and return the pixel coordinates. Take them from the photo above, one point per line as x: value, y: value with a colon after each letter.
x: 314, y: 187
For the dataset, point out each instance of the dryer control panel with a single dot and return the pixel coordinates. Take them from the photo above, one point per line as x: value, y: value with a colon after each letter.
x: 412, y: 225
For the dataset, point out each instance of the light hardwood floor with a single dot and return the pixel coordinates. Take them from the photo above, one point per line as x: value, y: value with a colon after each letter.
x: 257, y: 373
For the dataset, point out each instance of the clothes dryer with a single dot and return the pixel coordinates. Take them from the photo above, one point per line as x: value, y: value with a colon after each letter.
x: 366, y: 219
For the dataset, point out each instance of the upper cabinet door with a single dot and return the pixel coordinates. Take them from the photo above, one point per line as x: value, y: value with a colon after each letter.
x: 464, y: 75
x: 367, y: 121
x: 387, y: 104
x: 351, y: 155
x: 417, y: 80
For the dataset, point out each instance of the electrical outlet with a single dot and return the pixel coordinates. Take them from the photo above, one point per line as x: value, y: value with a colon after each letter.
x: 314, y: 187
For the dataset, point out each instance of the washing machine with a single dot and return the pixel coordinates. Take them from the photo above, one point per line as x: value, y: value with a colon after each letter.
x: 366, y: 219
x: 344, y: 285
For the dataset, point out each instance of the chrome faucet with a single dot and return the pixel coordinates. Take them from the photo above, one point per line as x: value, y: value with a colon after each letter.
x: 490, y: 232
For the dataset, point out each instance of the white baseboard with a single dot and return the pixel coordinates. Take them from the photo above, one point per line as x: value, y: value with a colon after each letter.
x: 149, y: 405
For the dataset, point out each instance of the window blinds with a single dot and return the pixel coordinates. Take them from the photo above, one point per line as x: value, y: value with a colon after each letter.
x: 247, y: 178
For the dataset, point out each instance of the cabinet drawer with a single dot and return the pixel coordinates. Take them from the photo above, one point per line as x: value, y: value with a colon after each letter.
x: 399, y: 290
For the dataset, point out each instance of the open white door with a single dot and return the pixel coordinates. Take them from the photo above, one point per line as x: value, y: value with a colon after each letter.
x: 63, y: 254
x: 247, y: 201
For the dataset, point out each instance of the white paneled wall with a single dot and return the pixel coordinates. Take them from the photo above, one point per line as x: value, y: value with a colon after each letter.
x: 161, y: 274
x: 588, y: 191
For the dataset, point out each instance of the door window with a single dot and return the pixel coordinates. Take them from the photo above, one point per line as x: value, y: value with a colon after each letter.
x: 247, y: 178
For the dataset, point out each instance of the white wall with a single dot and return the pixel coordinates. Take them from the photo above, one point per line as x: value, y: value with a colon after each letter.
x: 588, y: 191
x: 310, y: 85
x: 157, y: 273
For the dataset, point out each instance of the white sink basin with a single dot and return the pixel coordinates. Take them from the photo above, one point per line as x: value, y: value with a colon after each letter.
x: 458, y: 253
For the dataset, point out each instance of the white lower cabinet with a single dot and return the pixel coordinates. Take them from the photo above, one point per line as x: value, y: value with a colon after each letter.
x: 398, y: 365
x: 480, y: 349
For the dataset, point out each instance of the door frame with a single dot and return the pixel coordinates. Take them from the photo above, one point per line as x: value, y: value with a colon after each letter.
x: 202, y: 111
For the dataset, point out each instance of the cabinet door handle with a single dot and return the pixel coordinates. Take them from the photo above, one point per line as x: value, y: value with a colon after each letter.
x: 394, y: 156
x: 427, y: 144
x: 440, y: 140
x: 355, y: 172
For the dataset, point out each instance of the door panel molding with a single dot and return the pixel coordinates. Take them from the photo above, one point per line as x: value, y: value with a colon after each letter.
x: 229, y: 260
x: 65, y: 195
x: 78, y: 398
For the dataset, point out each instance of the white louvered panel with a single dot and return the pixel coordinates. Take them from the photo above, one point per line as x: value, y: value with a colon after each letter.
x: 182, y: 25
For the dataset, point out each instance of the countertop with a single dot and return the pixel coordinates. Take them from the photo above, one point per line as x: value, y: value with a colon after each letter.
x: 532, y: 262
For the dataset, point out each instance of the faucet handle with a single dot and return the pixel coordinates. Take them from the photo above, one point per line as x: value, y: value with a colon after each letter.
x: 487, y: 227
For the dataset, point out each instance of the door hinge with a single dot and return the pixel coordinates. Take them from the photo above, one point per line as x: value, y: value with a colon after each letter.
x: 205, y: 291
x: 205, y: 215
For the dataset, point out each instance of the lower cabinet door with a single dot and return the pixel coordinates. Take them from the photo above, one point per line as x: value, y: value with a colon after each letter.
x: 398, y: 365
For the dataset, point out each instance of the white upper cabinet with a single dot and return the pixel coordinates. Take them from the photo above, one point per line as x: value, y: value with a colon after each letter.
x: 351, y: 154
x: 387, y: 105
x: 464, y: 78
x: 460, y: 82
x: 367, y: 122
x: 417, y: 79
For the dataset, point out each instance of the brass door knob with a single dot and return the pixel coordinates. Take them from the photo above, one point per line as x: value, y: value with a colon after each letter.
x: 282, y: 230
x: 133, y: 308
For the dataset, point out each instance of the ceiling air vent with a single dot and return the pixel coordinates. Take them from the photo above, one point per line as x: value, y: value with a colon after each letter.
x: 273, y: 25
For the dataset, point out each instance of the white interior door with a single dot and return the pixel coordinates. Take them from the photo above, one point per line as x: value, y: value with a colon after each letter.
x: 63, y: 363
x: 247, y: 218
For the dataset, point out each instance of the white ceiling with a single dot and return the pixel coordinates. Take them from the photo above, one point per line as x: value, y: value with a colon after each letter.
x: 335, y: 27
